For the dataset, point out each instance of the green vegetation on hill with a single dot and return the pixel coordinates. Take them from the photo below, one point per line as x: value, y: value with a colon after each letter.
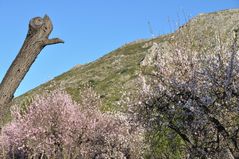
x: 110, y: 76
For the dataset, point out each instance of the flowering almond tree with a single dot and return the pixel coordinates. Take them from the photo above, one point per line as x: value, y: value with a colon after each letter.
x: 196, y: 97
x: 54, y: 126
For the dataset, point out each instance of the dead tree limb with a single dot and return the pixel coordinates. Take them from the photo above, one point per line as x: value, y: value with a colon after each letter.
x: 36, y: 40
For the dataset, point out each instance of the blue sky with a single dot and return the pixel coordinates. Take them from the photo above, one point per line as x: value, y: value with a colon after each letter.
x: 90, y: 29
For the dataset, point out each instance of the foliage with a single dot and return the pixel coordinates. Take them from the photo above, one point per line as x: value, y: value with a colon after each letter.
x: 164, y: 144
x: 54, y: 126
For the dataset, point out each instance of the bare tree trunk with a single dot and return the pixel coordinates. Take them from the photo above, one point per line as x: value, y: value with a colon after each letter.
x: 36, y: 40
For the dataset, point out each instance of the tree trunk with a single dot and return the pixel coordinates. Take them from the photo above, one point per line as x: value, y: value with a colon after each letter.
x: 36, y: 40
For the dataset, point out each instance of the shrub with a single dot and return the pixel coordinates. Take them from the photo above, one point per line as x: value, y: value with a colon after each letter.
x: 54, y: 126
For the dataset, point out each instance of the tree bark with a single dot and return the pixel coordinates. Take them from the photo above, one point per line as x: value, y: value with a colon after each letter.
x: 36, y: 40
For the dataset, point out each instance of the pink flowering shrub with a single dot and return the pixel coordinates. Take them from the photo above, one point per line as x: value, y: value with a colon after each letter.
x: 54, y: 126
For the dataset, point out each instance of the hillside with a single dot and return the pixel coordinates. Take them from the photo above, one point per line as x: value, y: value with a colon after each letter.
x: 109, y: 75
x: 117, y: 71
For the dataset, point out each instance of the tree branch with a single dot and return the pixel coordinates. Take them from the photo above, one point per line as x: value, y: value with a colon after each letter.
x: 52, y: 41
x: 182, y: 135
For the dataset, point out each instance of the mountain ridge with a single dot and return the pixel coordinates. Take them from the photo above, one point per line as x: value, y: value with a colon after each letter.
x: 117, y: 71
